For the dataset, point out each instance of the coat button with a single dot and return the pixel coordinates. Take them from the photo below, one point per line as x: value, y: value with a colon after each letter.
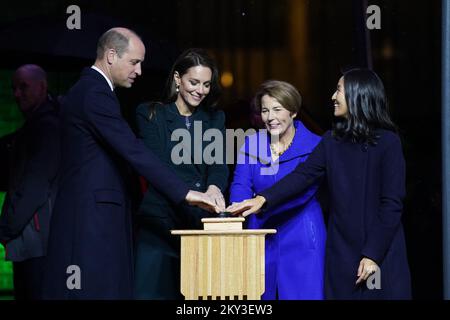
x: 198, y: 184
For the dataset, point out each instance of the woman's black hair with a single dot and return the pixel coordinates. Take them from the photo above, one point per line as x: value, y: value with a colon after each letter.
x: 367, y: 107
x: 191, y: 58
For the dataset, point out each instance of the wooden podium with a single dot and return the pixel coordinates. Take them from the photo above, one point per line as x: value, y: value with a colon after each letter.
x: 222, y: 261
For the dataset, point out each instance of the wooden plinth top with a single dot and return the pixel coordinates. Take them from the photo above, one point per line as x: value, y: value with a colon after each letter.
x: 222, y: 232
x: 222, y: 226
x: 222, y: 220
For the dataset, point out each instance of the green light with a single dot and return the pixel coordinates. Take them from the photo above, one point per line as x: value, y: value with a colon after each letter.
x: 6, y: 282
x: 10, y: 120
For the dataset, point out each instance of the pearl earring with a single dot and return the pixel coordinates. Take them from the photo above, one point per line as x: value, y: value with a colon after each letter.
x: 178, y: 88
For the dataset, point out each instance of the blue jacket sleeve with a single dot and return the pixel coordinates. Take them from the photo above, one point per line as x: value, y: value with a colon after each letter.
x: 299, y: 201
x: 242, y: 186
x: 296, y: 182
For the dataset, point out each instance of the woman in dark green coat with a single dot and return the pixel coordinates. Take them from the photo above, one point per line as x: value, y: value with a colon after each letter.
x: 174, y: 132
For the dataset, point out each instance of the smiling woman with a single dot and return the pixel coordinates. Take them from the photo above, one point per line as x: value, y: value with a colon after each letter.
x: 362, y: 161
x: 340, y: 105
x: 295, y: 255
x: 189, y: 105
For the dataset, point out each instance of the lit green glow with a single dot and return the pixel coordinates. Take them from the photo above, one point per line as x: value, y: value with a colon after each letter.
x: 5, y: 267
x: 10, y: 120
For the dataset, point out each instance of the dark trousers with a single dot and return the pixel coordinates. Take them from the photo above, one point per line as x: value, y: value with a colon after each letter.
x: 28, y: 277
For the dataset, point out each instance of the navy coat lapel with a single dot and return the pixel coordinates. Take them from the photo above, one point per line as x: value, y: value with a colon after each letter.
x: 176, y: 121
x: 303, y: 144
x: 173, y: 118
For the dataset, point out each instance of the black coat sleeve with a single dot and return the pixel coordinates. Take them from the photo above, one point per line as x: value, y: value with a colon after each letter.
x: 107, y: 122
x: 296, y: 182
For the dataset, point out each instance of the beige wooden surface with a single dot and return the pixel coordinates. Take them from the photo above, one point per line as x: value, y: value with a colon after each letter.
x: 222, y: 264
x: 222, y: 232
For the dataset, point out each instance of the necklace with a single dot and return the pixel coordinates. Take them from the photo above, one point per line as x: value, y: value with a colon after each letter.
x: 279, y: 153
x: 187, y: 122
x: 187, y: 119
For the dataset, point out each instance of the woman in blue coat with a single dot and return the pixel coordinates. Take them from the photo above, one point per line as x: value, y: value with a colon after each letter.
x: 295, y: 254
x: 189, y: 111
x: 363, y: 162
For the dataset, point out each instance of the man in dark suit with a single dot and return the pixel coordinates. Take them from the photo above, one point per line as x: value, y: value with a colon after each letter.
x: 34, y: 155
x: 90, y: 247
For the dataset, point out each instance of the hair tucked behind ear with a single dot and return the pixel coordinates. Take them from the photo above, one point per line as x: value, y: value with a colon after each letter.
x: 367, y: 107
x: 191, y: 58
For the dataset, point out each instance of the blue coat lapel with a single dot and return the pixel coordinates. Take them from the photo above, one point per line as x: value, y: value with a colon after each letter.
x: 303, y: 144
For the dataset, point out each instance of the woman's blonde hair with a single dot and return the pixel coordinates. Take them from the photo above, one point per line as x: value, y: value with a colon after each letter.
x: 285, y: 93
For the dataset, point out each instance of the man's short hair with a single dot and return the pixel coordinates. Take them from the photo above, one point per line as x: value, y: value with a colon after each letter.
x: 113, y: 39
x: 33, y: 71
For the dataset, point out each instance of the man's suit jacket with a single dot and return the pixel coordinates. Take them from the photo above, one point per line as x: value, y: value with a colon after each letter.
x: 34, y: 156
x: 91, y: 227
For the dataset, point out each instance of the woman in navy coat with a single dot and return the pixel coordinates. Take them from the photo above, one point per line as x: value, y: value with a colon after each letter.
x: 295, y: 254
x: 193, y: 91
x: 363, y: 163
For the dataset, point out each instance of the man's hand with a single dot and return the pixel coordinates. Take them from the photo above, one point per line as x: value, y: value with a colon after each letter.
x: 367, y: 267
x: 247, y: 207
x: 202, y: 200
x: 216, y: 195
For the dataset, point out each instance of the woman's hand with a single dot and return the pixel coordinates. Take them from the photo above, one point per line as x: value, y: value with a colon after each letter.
x: 202, y: 200
x: 367, y: 267
x: 247, y: 207
x: 217, y: 197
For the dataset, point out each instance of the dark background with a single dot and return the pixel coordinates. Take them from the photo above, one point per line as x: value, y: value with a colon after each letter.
x: 303, y: 42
